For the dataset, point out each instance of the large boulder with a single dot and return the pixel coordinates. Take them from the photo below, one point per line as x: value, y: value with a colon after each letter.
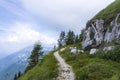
x: 93, y: 51
x: 75, y: 50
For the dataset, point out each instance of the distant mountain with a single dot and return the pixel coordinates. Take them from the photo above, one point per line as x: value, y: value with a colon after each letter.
x: 16, y: 62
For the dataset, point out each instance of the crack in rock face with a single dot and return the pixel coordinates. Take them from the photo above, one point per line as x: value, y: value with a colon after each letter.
x: 96, y: 33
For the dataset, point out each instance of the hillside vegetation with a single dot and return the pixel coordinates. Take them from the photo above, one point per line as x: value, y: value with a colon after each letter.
x: 109, y: 13
x: 45, y: 70
x: 103, y: 65
x: 86, y: 66
x: 92, y: 67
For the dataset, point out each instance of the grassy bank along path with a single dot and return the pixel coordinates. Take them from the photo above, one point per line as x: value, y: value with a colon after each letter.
x: 65, y: 70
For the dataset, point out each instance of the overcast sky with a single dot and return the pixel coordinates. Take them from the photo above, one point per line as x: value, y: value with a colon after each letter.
x: 22, y: 22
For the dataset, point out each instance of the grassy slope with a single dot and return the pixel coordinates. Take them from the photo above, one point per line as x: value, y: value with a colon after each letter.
x: 45, y: 70
x: 109, y: 13
x: 84, y: 66
x: 87, y: 68
x: 94, y: 68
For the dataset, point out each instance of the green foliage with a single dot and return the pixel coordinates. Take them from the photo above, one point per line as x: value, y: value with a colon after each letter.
x: 61, y: 39
x: 19, y: 74
x: 70, y: 38
x: 15, y: 77
x: 113, y: 55
x: 47, y: 69
x: 81, y: 36
x: 95, y: 72
x: 109, y: 13
x: 35, y: 56
x: 76, y: 39
x: 87, y: 67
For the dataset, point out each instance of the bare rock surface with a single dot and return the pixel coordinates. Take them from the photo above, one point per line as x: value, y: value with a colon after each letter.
x: 97, y: 32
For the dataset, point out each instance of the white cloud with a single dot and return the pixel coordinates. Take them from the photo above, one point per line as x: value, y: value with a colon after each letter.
x: 23, y: 32
x: 13, y: 8
x: 71, y: 14
x: 66, y: 14
x: 12, y: 38
x: 21, y: 35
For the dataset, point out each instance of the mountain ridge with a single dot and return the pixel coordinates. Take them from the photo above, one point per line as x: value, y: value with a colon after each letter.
x: 103, y: 28
x: 101, y: 35
x: 16, y: 62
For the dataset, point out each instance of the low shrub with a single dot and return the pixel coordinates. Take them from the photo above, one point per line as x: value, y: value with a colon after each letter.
x: 113, y: 55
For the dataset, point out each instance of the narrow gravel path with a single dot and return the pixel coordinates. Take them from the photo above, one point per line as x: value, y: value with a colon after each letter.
x: 65, y: 70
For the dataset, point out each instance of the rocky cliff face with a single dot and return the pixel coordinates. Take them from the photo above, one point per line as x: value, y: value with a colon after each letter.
x: 98, y: 32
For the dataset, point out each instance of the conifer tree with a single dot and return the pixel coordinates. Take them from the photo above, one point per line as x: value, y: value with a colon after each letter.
x: 81, y: 35
x: 35, y: 57
x: 19, y: 74
x: 76, y: 38
x: 61, y: 40
x: 15, y: 77
x: 70, y: 38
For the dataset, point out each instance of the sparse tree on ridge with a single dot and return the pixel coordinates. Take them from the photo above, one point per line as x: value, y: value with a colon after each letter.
x: 61, y: 40
x: 76, y: 38
x: 81, y: 35
x: 15, y: 77
x: 35, y: 56
x: 70, y: 38
x: 19, y: 74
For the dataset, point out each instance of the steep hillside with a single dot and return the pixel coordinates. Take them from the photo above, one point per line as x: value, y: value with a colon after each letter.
x: 109, y: 13
x: 45, y: 70
x: 14, y: 63
x: 100, y: 58
x: 104, y: 28
x: 86, y: 66
x: 90, y: 67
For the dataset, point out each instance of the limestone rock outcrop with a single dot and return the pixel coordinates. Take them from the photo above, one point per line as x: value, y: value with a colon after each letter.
x: 97, y: 32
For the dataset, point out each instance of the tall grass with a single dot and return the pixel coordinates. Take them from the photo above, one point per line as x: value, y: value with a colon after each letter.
x: 45, y: 70
x: 109, y: 13
x: 91, y: 68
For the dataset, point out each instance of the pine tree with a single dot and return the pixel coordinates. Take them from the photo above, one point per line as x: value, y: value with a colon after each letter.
x: 15, y: 77
x: 81, y: 35
x: 70, y: 38
x: 76, y: 38
x: 19, y: 74
x: 61, y: 40
x: 35, y: 57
